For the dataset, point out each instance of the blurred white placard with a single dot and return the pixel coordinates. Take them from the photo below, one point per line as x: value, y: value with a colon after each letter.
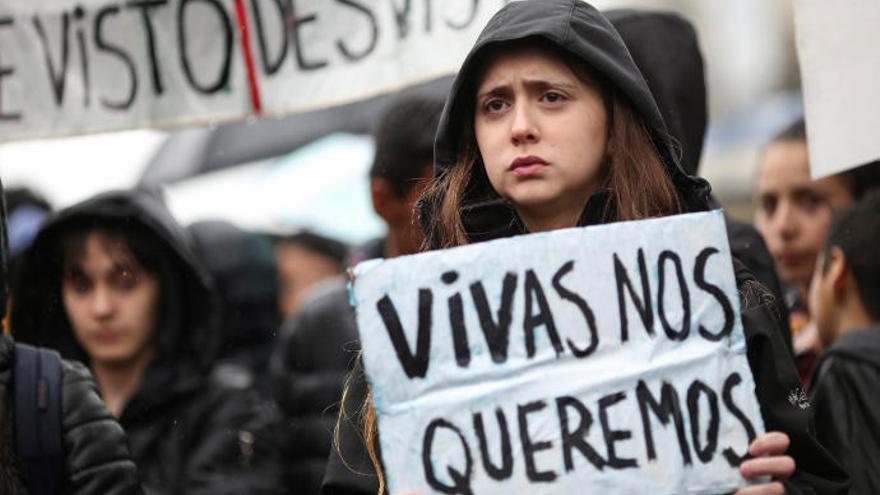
x: 837, y: 46
x: 80, y: 66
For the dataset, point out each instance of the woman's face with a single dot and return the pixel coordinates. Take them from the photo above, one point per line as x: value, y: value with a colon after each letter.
x: 110, y: 299
x: 542, y: 134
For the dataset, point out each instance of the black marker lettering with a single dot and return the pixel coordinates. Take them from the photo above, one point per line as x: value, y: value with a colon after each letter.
x: 102, y: 45
x: 717, y: 293
x: 497, y: 334
x: 145, y: 7
x: 506, y: 469
x: 614, y: 436
x: 577, y: 438
x: 693, y: 397
x: 348, y: 53
x: 414, y: 364
x: 583, y: 306
x: 643, y: 305
x: 668, y: 408
x: 271, y: 66
x: 458, y: 26
x: 296, y: 24
x: 78, y: 15
x: 530, y: 448
x: 535, y: 293
x: 6, y: 71
x: 732, y: 381
x: 58, y: 77
x: 462, y: 480
x: 222, y: 79
x: 683, y: 290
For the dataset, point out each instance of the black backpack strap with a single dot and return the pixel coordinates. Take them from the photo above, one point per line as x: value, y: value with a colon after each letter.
x: 38, y: 432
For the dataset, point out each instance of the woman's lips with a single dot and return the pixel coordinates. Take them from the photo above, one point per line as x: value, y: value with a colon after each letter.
x: 527, y: 166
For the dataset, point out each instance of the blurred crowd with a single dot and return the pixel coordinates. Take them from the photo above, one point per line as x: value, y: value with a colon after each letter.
x: 221, y: 355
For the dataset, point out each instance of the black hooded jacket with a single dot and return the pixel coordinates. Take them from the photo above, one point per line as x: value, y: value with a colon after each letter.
x: 96, y: 455
x: 186, y: 433
x: 844, y: 390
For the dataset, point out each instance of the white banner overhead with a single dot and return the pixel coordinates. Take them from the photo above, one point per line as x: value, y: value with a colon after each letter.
x: 78, y: 66
x: 840, y: 74
x: 606, y: 359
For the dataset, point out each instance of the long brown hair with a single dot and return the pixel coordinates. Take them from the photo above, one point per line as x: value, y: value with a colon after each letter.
x: 634, y: 174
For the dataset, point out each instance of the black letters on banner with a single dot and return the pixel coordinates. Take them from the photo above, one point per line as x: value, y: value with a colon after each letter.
x: 58, y: 77
x: 78, y: 15
x: 271, y: 66
x: 497, y: 334
x: 6, y: 72
x: 353, y: 56
x: 461, y: 480
x: 535, y: 293
x: 102, y: 45
x: 506, y: 469
x: 613, y: 436
x: 643, y: 305
x: 693, y: 397
x: 716, y: 292
x: 155, y: 72
x: 402, y: 13
x: 667, y: 408
x: 414, y: 365
x: 577, y: 438
x: 222, y: 79
x: 530, y: 448
x: 683, y: 290
x: 456, y: 322
x: 583, y: 306
x: 732, y: 457
x: 458, y: 26
x: 295, y: 25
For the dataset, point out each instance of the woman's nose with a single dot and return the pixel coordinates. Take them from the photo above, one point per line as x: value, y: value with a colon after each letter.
x: 102, y: 303
x: 523, y: 128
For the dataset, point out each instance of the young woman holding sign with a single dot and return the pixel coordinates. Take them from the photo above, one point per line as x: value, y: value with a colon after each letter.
x: 550, y: 124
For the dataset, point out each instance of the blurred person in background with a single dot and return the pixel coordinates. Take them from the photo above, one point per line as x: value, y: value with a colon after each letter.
x: 244, y: 271
x: 305, y: 259
x: 26, y: 211
x: 844, y: 302
x: 318, y: 344
x: 112, y: 282
x: 793, y: 215
x: 95, y: 458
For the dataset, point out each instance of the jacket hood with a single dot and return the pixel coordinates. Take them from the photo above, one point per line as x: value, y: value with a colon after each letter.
x: 185, y: 326
x: 578, y: 29
x: 664, y: 46
x: 242, y: 266
x: 4, y: 253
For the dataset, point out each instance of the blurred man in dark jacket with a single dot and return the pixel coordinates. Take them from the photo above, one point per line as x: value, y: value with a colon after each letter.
x: 845, y: 304
x: 318, y: 344
x: 305, y: 259
x: 244, y: 272
x: 96, y: 455
x: 112, y: 282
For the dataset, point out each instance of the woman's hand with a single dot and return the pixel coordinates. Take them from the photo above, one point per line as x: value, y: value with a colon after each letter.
x: 769, y: 459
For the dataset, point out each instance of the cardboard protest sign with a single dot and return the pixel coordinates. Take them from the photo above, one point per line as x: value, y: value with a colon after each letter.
x: 840, y: 74
x: 609, y: 358
x: 76, y: 66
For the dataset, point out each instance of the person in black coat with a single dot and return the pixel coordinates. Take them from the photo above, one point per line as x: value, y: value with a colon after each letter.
x: 112, y: 282
x: 319, y: 343
x: 844, y: 299
x: 577, y: 45
x: 96, y: 454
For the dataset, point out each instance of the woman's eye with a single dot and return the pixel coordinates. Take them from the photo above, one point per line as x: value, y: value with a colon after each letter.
x: 494, y: 105
x: 553, y: 97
